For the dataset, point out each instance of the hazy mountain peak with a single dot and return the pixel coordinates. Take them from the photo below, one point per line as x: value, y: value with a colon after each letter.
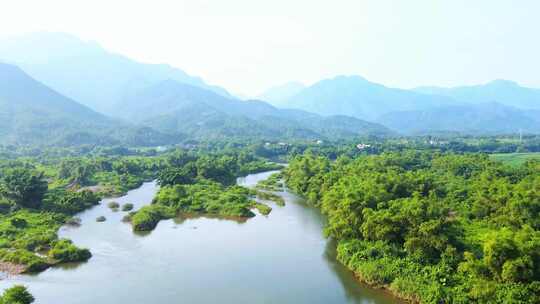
x: 503, y: 83
x: 277, y: 95
x: 349, y: 78
x: 356, y: 96
x: 503, y: 91
x: 85, y: 71
x: 43, y: 47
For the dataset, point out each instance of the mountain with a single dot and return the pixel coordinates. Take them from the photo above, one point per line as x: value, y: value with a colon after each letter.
x: 171, y: 106
x: 86, y: 72
x: 32, y: 113
x: 501, y: 91
x: 279, y: 95
x: 483, y: 118
x: 360, y: 98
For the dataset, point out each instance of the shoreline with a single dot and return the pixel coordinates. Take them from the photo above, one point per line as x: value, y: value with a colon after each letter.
x: 10, y: 269
x: 382, y: 288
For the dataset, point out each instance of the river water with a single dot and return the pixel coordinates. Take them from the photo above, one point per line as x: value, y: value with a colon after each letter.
x: 282, y: 258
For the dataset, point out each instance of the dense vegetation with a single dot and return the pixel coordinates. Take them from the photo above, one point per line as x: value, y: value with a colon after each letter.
x: 39, y: 194
x: 431, y: 227
x: 203, y: 184
x: 515, y: 159
x: 428, y: 225
x: 16, y: 295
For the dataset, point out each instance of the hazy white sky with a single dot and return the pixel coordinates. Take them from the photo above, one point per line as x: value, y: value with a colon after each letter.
x: 249, y: 45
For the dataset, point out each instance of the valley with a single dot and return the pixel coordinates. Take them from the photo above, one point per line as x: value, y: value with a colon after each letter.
x: 125, y: 180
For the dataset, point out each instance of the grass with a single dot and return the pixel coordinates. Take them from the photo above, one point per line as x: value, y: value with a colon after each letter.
x: 273, y: 183
x: 262, y: 208
x: 267, y: 196
x: 515, y: 159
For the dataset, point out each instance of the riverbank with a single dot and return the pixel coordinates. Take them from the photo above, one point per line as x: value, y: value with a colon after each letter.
x: 10, y: 269
x: 385, y: 288
x: 276, y: 259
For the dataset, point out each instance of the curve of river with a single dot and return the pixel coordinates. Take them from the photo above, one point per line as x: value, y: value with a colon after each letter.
x: 281, y: 258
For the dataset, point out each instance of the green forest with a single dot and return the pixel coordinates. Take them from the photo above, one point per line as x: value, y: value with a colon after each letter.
x: 428, y: 223
x: 38, y: 195
x: 431, y: 227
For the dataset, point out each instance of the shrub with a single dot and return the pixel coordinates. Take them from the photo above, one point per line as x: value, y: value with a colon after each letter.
x: 18, y: 222
x: 16, y: 295
x: 32, y: 262
x: 127, y: 207
x: 101, y: 219
x: 267, y: 196
x: 74, y: 221
x: 263, y: 209
x: 70, y: 202
x: 65, y: 251
x: 148, y: 217
x: 113, y: 205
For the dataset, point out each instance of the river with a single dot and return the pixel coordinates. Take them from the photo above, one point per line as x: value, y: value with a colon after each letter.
x: 280, y: 258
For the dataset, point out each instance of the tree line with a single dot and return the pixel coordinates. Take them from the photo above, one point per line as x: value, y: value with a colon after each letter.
x: 431, y: 227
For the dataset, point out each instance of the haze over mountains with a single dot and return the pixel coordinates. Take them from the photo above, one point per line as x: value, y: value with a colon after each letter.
x: 171, y: 106
x: 501, y: 91
x: 423, y: 107
x: 279, y: 95
x: 481, y: 118
x: 160, y: 104
x: 32, y: 113
x: 85, y: 71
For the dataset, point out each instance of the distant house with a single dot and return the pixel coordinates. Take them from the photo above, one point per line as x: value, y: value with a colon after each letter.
x: 362, y: 146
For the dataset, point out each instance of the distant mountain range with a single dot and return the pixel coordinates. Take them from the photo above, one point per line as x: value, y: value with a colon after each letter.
x: 165, y: 113
x: 501, y: 91
x: 86, y: 72
x: 171, y: 106
x: 470, y: 109
x: 360, y: 98
x: 279, y: 95
x: 32, y: 113
x: 161, y: 104
x: 482, y: 118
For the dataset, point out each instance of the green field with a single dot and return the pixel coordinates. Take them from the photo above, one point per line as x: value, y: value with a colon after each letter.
x: 515, y: 159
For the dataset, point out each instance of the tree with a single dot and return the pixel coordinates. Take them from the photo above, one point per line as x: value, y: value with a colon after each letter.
x: 174, y: 175
x: 24, y: 187
x: 16, y: 295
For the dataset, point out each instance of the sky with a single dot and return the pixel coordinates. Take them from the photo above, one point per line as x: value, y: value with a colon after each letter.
x: 247, y: 46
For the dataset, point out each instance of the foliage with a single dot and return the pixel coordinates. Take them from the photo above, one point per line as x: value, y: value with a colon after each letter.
x: 515, y: 159
x: 262, y: 208
x: 431, y: 227
x: 16, y: 295
x: 268, y: 196
x: 64, y: 251
x: 113, y: 205
x: 223, y: 168
x: 32, y: 262
x: 69, y: 202
x: 272, y: 183
x: 147, y: 218
x: 207, y: 197
x: 24, y: 187
x: 127, y: 207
